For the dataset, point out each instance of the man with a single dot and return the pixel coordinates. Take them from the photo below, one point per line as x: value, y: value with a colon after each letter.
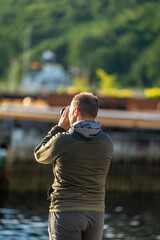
x: 80, y: 153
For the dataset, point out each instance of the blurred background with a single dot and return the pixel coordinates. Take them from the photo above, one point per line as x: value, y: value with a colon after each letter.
x: 51, y: 50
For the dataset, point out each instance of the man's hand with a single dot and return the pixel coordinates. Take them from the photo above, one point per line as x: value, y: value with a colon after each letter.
x: 64, y: 119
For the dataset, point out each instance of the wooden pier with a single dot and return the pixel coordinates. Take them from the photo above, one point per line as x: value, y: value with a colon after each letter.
x: 112, y: 118
x: 135, y: 136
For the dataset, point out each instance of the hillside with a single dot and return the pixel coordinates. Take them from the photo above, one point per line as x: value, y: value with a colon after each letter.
x: 121, y: 37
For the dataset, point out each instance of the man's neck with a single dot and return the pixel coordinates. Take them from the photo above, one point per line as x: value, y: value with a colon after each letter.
x: 85, y: 119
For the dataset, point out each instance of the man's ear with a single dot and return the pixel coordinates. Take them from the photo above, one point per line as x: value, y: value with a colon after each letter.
x: 76, y: 111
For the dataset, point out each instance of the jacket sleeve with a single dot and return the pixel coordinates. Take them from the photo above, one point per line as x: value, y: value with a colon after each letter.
x: 50, y: 147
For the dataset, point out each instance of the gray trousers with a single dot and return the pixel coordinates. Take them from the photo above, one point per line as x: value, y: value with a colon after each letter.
x: 76, y: 225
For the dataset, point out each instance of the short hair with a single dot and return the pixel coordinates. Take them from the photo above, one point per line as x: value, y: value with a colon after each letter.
x: 87, y: 104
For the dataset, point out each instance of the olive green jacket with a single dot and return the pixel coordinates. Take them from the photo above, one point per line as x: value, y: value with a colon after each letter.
x: 81, y: 157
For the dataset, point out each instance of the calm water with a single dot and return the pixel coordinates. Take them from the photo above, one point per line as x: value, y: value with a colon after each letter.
x: 128, y: 217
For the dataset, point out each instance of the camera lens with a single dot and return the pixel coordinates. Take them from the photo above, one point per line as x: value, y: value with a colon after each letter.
x: 62, y: 111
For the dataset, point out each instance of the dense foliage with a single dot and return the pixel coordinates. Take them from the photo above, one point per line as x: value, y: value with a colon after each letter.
x: 122, y: 37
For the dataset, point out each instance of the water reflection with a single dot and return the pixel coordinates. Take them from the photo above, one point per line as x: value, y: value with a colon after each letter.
x: 137, y: 217
x: 16, y: 225
x: 128, y: 217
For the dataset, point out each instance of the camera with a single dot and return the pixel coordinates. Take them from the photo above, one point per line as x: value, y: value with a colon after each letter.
x: 62, y: 111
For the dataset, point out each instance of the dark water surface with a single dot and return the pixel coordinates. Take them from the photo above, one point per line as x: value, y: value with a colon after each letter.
x: 127, y: 216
